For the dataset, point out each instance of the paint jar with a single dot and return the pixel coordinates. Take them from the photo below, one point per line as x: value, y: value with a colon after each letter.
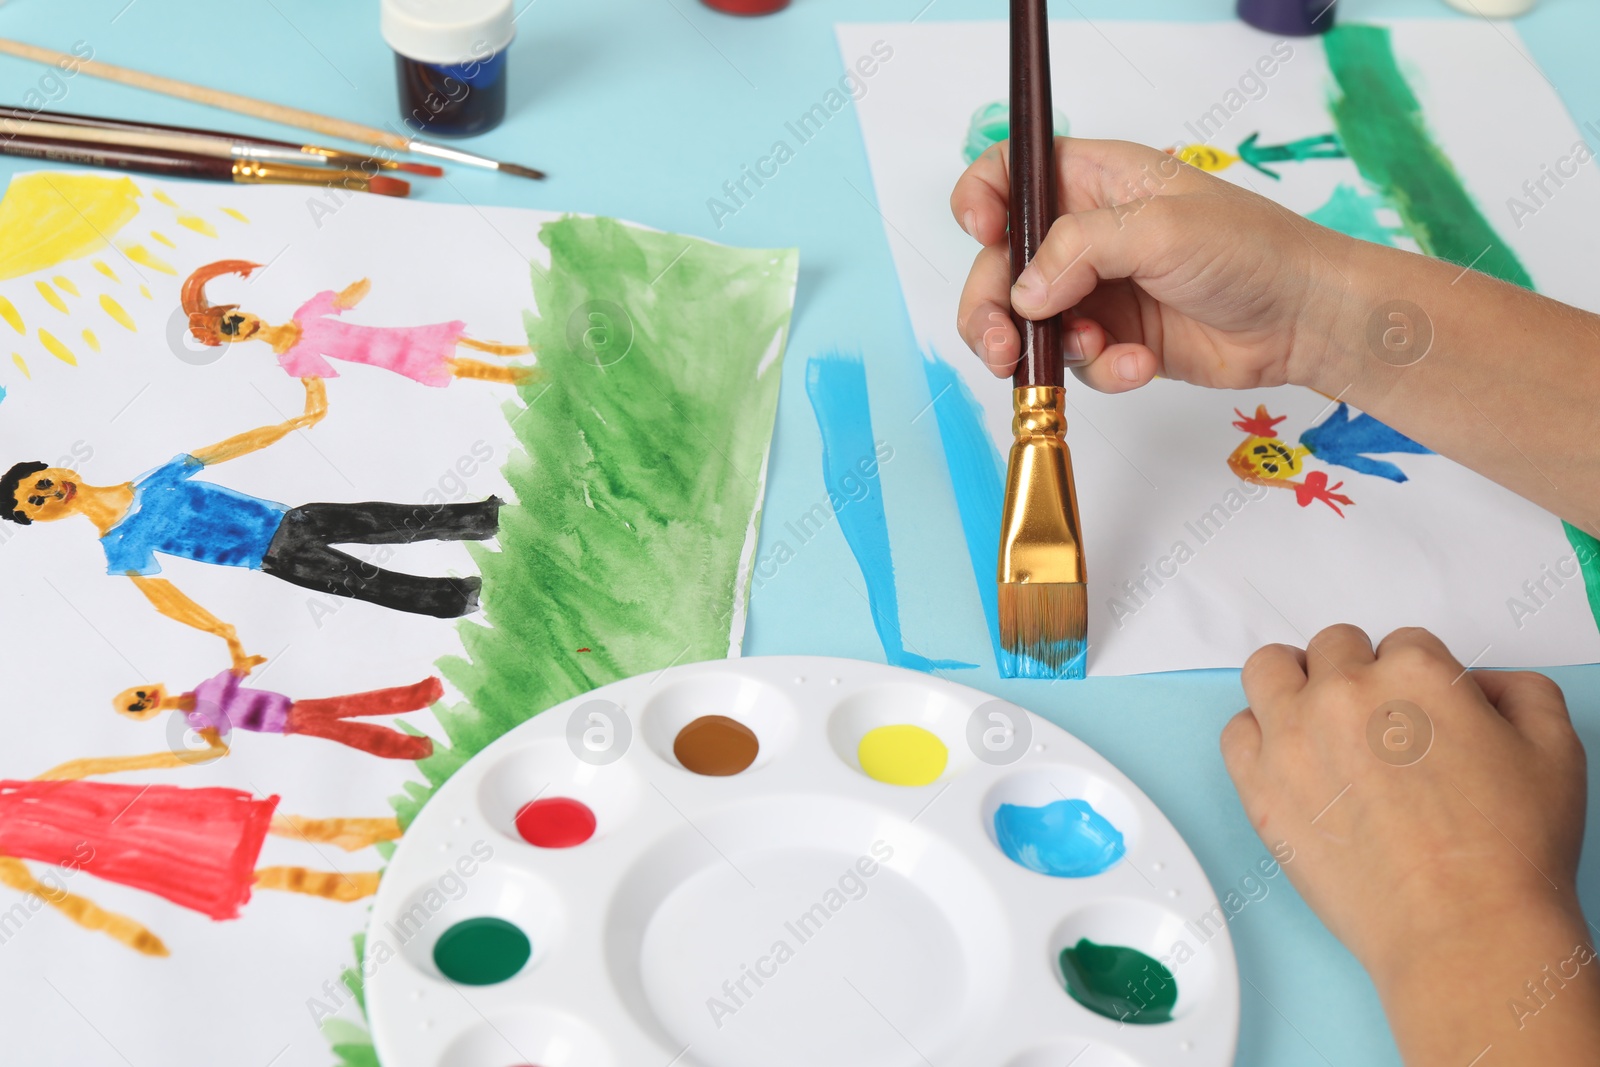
x: 1291, y: 18
x: 746, y: 7
x: 450, y: 56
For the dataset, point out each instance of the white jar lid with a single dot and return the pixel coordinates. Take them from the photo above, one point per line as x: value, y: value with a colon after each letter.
x: 447, y: 31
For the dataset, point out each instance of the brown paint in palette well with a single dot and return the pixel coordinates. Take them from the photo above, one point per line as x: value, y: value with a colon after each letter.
x: 716, y: 745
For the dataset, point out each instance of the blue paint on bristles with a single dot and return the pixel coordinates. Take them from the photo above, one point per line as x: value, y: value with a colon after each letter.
x: 1073, y: 659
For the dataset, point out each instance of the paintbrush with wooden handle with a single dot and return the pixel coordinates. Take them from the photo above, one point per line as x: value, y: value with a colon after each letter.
x: 1043, y: 587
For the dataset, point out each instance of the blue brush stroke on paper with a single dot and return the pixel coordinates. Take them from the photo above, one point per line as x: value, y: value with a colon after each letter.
x: 977, y: 473
x: 1064, y: 839
x: 1351, y: 442
x: 837, y: 386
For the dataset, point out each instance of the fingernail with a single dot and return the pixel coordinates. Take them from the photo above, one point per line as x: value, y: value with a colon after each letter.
x: 1075, y: 344
x: 1030, y: 290
x: 969, y: 222
x: 1126, y: 367
x: 994, y: 339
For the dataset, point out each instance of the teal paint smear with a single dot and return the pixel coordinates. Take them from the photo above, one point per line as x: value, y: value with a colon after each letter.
x: 978, y: 476
x: 1354, y: 214
x: 991, y: 124
x: 1382, y: 127
x: 837, y: 386
x: 1064, y: 839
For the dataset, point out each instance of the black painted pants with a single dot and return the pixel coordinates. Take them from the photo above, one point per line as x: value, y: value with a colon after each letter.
x: 301, y: 552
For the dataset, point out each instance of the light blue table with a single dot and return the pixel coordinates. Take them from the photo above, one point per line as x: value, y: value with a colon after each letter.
x: 642, y: 109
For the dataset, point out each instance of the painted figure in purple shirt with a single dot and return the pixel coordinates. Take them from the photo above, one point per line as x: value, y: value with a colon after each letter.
x: 223, y: 703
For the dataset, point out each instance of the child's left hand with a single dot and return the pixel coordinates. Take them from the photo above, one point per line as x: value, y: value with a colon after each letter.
x: 1435, y: 818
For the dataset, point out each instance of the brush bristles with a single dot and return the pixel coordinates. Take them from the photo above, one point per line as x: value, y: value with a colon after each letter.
x: 1043, y: 629
x: 427, y: 170
x: 520, y: 171
x: 385, y: 186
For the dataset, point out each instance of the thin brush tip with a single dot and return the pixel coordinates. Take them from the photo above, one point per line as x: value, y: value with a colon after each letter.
x: 520, y: 171
x: 385, y: 186
x: 1043, y: 630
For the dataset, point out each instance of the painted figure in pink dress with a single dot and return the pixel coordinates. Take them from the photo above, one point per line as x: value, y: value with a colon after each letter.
x: 318, y: 333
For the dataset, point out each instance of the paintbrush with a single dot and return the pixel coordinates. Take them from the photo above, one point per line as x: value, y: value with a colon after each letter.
x: 1043, y: 592
x: 242, y: 146
x: 175, y: 164
x: 261, y: 109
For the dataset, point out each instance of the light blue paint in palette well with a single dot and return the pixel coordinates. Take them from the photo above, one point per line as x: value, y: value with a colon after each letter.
x: 1064, y: 839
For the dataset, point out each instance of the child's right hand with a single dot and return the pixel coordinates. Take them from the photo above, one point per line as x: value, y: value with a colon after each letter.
x: 1166, y: 270
x: 1438, y: 841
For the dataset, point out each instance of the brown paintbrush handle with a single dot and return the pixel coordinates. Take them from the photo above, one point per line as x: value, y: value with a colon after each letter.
x: 1033, y: 181
x: 120, y: 157
x: 19, y: 114
x: 243, y: 105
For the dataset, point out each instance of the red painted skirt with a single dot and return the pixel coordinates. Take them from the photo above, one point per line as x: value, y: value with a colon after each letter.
x: 194, y: 847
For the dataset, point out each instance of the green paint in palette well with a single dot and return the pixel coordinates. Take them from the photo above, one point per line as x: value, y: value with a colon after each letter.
x: 1382, y: 128
x: 642, y: 452
x: 481, y: 951
x: 1119, y: 982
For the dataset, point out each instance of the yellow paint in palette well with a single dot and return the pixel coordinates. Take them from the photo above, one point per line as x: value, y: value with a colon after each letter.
x: 91, y: 340
x: 241, y: 216
x: 163, y: 239
x: 47, y: 218
x: 146, y: 258
x: 115, y: 310
x: 100, y: 265
x: 8, y: 311
x: 53, y: 345
x: 65, y: 284
x: 51, y: 297
x: 902, y: 754
x: 197, y: 224
x: 22, y: 364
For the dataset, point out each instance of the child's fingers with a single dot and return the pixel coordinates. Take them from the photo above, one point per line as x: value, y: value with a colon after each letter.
x: 979, y: 200
x: 1119, y: 367
x: 1530, y: 702
x: 1241, y: 744
x: 982, y: 316
x: 1272, y: 676
x: 1080, y: 250
x: 1415, y: 641
x: 1337, y: 652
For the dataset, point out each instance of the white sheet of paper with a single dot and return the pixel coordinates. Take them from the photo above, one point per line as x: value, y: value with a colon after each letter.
x: 250, y: 990
x: 1446, y: 549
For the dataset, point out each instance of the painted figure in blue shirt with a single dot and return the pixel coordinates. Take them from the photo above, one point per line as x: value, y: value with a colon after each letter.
x: 174, y: 511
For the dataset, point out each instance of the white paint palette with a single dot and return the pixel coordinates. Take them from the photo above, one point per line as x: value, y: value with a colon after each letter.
x: 803, y: 910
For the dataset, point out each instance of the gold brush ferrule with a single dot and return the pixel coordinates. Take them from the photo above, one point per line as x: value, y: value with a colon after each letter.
x: 1040, y: 538
x: 259, y: 172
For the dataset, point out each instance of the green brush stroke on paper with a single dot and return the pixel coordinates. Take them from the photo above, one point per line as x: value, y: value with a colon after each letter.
x: 644, y: 443
x: 1382, y: 128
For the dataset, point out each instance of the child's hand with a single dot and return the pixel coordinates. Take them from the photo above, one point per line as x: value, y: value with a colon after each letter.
x: 1163, y: 269
x: 1438, y: 838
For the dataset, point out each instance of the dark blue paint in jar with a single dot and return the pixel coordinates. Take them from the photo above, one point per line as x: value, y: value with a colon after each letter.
x: 450, y: 60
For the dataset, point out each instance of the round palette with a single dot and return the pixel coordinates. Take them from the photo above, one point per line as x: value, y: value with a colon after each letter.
x: 792, y: 861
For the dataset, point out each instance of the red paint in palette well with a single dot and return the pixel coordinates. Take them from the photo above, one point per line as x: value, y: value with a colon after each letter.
x: 556, y: 822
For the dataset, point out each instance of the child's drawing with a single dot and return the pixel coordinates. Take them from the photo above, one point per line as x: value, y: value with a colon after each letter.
x: 318, y: 332
x: 1210, y: 158
x: 194, y: 847
x: 221, y: 704
x: 171, y: 511
x: 1345, y: 441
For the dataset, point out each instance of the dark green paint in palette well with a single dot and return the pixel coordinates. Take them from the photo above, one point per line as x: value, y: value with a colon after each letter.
x: 1119, y: 982
x: 481, y: 951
